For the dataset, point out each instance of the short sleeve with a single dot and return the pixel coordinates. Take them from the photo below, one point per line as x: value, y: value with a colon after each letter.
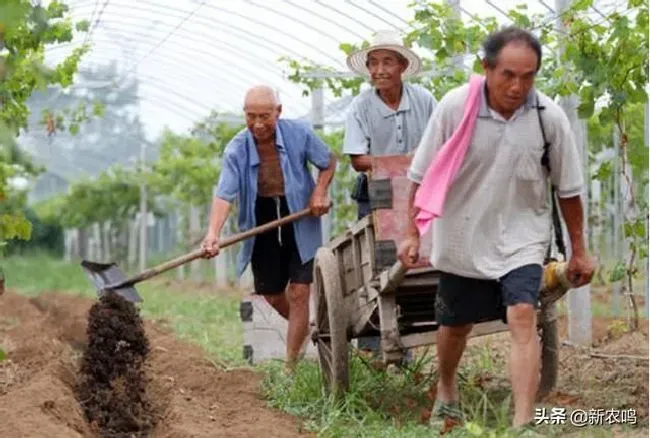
x: 355, y: 141
x: 564, y: 159
x: 431, y: 102
x: 228, y: 186
x: 317, y: 152
x: 432, y: 140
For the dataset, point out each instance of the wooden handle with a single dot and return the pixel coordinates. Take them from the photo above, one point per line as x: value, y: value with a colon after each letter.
x: 174, y: 263
x: 392, y: 278
x: 263, y: 228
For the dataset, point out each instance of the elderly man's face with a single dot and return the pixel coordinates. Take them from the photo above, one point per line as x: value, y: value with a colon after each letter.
x: 512, y: 77
x: 261, y: 118
x: 386, y: 68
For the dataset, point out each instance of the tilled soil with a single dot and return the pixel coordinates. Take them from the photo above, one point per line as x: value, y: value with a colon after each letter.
x: 54, y: 382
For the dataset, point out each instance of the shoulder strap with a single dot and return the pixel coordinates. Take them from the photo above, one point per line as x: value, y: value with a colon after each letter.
x: 557, y: 225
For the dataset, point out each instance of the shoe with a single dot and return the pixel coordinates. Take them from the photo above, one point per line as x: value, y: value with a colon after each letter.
x: 445, y: 416
x: 526, y: 430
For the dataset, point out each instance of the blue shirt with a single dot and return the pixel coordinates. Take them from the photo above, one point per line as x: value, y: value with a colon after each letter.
x: 297, y: 145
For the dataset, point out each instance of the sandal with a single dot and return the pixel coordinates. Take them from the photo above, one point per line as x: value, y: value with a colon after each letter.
x: 445, y: 416
x: 526, y: 430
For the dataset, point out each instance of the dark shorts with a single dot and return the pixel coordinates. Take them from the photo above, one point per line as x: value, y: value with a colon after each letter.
x: 461, y: 300
x: 276, y: 261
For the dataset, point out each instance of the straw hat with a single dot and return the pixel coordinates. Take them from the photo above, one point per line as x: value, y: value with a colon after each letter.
x: 388, y: 40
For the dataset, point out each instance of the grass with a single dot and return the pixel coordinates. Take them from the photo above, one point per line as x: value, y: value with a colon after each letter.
x: 380, y: 403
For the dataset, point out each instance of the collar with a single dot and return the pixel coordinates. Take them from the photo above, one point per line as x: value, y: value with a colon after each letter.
x: 252, y: 146
x: 484, y: 110
x: 385, y: 110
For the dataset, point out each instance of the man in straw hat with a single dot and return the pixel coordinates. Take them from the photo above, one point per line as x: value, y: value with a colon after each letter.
x: 388, y: 118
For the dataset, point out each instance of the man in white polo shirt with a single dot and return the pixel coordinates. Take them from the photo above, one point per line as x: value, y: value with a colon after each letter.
x: 386, y: 119
x: 491, y: 241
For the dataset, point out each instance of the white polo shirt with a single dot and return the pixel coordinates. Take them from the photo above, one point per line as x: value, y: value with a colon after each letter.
x: 497, y: 214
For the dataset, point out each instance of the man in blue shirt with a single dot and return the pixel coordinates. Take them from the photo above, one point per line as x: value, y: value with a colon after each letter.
x: 265, y: 168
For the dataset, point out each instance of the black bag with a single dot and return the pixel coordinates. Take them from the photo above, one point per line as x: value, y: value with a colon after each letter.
x: 557, y: 225
x: 360, y: 192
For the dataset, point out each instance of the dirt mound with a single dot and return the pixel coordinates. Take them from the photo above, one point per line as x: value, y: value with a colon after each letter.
x: 187, y: 394
x: 112, y: 386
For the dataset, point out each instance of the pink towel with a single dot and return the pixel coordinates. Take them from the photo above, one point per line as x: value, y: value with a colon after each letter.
x: 431, y: 195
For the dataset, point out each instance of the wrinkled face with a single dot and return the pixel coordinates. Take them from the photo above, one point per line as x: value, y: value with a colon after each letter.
x: 510, y: 80
x: 261, y: 118
x: 386, y: 68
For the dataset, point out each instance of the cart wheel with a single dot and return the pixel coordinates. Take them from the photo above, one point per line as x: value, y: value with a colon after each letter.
x: 550, y: 343
x: 331, y: 323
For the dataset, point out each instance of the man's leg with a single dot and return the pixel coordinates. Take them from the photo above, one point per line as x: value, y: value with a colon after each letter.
x: 520, y: 293
x: 460, y: 302
x: 298, y: 294
x: 450, y: 345
x: 280, y: 303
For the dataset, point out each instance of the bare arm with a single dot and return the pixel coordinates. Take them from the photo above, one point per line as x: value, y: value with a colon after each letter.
x: 325, y: 176
x: 409, y: 249
x: 412, y: 230
x: 573, y: 217
x: 319, y: 203
x: 361, y: 163
x: 218, y: 216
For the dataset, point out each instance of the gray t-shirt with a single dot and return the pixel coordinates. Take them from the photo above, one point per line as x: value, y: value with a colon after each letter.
x: 373, y: 128
x: 497, y: 213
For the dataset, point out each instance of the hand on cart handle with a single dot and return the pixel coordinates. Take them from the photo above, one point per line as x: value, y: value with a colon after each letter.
x: 580, y: 269
x: 409, y: 251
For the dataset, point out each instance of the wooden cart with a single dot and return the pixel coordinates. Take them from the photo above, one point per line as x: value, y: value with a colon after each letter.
x: 361, y: 289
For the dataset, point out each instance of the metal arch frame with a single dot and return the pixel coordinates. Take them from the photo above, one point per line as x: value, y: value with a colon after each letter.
x: 242, y: 33
x: 169, y: 34
x: 168, y: 61
x: 182, y: 97
x: 293, y: 19
x: 61, y: 46
x: 377, y: 4
x: 317, y: 15
x: 361, y: 8
x: 210, y: 22
x: 139, y: 40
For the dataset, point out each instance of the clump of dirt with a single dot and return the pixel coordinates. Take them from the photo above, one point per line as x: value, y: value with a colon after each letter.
x: 112, y: 387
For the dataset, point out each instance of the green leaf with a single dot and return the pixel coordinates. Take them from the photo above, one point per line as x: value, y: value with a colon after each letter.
x: 581, y: 5
x: 82, y: 26
x: 74, y: 128
x: 586, y: 108
x: 618, y: 273
x: 474, y: 428
x: 604, y: 171
x: 3, y: 355
x: 347, y: 48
